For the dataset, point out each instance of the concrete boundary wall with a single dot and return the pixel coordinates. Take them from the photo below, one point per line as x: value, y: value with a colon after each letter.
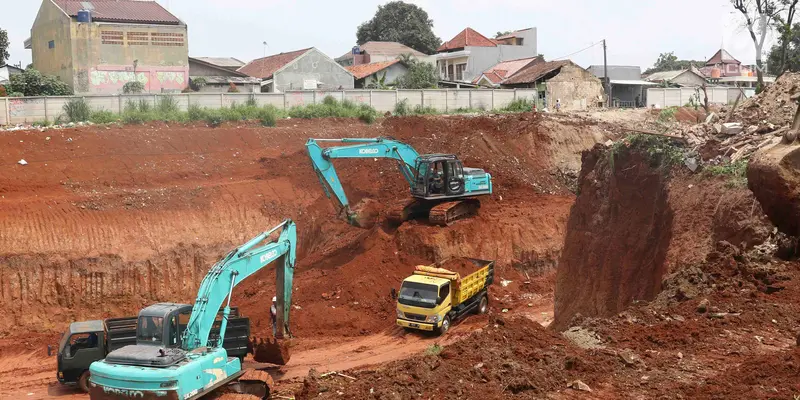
x: 26, y: 110
x: 679, y: 97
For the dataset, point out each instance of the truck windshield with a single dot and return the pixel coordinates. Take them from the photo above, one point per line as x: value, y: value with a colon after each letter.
x: 418, y: 295
x: 150, y: 329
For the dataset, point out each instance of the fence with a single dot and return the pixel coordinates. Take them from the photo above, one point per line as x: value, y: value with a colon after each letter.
x: 678, y: 97
x: 21, y: 110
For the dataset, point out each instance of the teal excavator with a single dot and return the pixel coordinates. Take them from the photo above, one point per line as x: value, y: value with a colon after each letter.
x: 176, y: 358
x: 442, y: 189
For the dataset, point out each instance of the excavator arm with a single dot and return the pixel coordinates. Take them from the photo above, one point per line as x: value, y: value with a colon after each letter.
x: 321, y: 160
x: 234, y: 268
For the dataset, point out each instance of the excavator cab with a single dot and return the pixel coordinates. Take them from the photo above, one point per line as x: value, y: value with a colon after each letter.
x: 437, y: 176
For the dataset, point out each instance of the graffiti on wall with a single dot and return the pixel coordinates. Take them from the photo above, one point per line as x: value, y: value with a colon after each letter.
x: 18, y: 107
x: 155, y: 79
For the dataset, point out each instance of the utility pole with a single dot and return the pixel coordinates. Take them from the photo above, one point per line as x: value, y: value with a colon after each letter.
x: 606, y: 81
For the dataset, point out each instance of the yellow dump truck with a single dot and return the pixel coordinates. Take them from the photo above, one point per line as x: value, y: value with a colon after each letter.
x: 434, y: 297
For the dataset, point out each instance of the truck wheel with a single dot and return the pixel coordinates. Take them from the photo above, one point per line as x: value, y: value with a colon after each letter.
x: 445, y: 326
x: 484, y: 306
x: 83, y: 381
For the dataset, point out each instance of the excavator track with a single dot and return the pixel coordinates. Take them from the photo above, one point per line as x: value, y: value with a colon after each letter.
x: 253, y: 384
x: 399, y: 212
x: 444, y: 214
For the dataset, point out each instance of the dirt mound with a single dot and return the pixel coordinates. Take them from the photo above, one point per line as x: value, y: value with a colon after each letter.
x: 616, y: 243
x: 507, y: 358
x: 773, y: 105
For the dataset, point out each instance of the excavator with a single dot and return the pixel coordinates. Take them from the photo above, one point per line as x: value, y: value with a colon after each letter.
x: 176, y: 357
x: 442, y: 189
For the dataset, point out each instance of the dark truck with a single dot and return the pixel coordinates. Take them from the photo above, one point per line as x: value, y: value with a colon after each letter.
x: 89, y: 341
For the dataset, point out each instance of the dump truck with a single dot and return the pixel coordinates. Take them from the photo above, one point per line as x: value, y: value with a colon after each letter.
x: 88, y: 341
x: 433, y: 297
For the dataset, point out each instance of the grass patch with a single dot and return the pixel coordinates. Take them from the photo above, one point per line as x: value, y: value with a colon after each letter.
x: 518, y: 105
x: 736, y: 173
x: 667, y: 114
x: 434, y: 350
x: 662, y: 152
x: 330, y: 107
x: 77, y: 110
x: 103, y: 117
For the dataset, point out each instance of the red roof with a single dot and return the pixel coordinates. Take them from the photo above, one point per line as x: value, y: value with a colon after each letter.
x: 504, y: 69
x: 722, y: 57
x: 467, y: 37
x: 364, y: 70
x: 130, y: 11
x: 264, y: 67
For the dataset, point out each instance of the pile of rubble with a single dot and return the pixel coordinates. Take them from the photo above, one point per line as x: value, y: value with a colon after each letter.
x: 758, y: 122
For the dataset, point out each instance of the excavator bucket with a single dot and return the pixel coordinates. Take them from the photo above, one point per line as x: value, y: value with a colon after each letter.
x: 273, y: 351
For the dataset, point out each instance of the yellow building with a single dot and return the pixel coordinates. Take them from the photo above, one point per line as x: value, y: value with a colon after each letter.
x: 97, y: 46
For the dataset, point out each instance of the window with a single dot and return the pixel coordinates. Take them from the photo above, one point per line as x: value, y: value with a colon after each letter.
x: 151, y: 329
x: 444, y: 291
x: 138, y: 38
x: 167, y: 39
x: 417, y: 295
x: 460, y: 68
x: 51, y: 44
x: 450, y: 73
x: 80, y: 341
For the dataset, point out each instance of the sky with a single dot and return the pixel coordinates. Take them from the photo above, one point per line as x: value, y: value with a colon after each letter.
x: 636, y: 31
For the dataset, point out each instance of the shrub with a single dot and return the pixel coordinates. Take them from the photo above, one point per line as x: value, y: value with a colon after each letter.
x: 167, y: 105
x: 662, y: 152
x: 518, y: 105
x: 198, y: 83
x: 214, y: 118
x: 402, y: 108
x: 43, y: 123
x: 133, y: 87
x: 268, y: 116
x: 420, y: 110
x: 77, y: 110
x: 736, y: 172
x: 32, y: 83
x: 667, y: 114
x: 197, y: 113
x: 103, y: 117
x: 251, y: 101
x: 434, y: 349
x: 232, y: 88
x: 329, y: 101
x: 134, y: 117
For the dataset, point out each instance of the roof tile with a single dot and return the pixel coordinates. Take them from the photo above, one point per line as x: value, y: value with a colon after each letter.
x: 535, y: 71
x: 130, y: 11
x: 504, y: 69
x: 364, y: 70
x: 467, y: 37
x: 264, y: 67
x: 391, y: 49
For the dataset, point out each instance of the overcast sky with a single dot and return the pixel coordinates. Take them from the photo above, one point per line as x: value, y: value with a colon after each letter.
x: 636, y: 31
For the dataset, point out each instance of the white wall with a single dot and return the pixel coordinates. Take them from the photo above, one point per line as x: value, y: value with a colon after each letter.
x: 679, y: 97
x: 22, y: 110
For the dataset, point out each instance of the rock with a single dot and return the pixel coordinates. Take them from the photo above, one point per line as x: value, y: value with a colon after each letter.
x: 691, y: 163
x: 628, y: 357
x: 752, y: 129
x: 478, y: 366
x: 702, y: 308
x: 718, y: 128
x: 579, y: 385
x: 711, y: 118
x: 22, y: 162
x: 609, y: 143
x: 732, y: 128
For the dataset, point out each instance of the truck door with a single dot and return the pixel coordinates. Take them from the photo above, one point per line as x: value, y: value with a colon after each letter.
x: 455, y: 178
x: 80, y: 351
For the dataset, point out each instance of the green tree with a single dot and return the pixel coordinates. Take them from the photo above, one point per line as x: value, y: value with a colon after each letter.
x: 759, y: 17
x: 420, y: 75
x: 670, y: 62
x: 400, y: 22
x: 779, y: 62
x: 4, y: 46
x: 501, y: 34
x: 32, y: 83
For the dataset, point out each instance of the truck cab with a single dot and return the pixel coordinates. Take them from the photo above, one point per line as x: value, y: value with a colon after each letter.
x: 433, y: 298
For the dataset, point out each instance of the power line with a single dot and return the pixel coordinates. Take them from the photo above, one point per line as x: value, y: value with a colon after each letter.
x: 579, y: 51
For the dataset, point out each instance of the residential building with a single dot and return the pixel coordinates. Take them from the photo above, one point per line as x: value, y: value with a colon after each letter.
x: 306, y: 69
x: 97, y: 46
x: 575, y: 87
x: 467, y: 55
x: 495, y: 75
x: 690, y: 77
x: 378, y: 75
x: 374, y: 52
x: 218, y: 74
x: 6, y: 71
x: 626, y: 84
x: 724, y: 69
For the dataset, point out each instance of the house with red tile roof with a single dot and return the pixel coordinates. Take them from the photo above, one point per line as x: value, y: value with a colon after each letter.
x: 372, y: 52
x: 305, y: 69
x: 377, y: 75
x: 724, y: 69
x: 468, y: 54
x: 96, y: 46
x: 495, y: 75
